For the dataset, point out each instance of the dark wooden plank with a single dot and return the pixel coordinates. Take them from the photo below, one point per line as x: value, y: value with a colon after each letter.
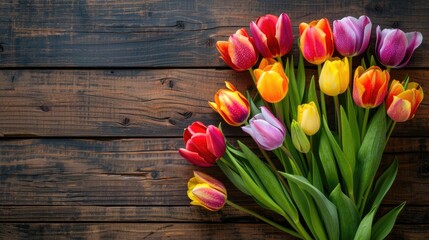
x: 179, y: 231
x: 132, y: 102
x: 132, y: 33
x: 143, y: 172
x: 162, y: 214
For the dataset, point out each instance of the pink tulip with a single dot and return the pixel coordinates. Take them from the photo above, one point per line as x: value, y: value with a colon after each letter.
x: 401, y: 103
x: 394, y: 48
x: 239, y: 51
x: 204, y: 145
x: 272, y: 35
x: 351, y: 35
x: 206, y: 191
x: 266, y: 130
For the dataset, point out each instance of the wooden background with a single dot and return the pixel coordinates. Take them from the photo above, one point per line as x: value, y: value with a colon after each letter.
x: 94, y: 96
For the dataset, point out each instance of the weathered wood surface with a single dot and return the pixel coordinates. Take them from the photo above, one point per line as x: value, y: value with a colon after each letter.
x: 132, y: 102
x: 135, y: 33
x: 94, y: 96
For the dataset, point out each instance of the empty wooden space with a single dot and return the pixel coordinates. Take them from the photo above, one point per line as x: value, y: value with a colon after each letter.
x: 94, y: 96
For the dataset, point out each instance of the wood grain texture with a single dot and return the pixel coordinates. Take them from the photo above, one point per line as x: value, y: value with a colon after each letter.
x: 143, y: 172
x: 134, y: 33
x: 138, y: 103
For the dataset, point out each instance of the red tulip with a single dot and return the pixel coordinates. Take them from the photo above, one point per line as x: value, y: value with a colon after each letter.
x: 316, y: 42
x: 272, y: 35
x: 370, y: 86
x: 204, y: 145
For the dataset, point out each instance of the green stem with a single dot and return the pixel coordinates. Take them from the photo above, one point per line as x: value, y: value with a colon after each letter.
x: 338, y: 113
x: 285, y: 150
x: 273, y: 167
x: 279, y: 111
x: 253, y: 76
x: 365, y: 122
x: 279, y: 59
x: 260, y: 217
x: 351, y: 70
x: 391, y: 127
x: 323, y: 104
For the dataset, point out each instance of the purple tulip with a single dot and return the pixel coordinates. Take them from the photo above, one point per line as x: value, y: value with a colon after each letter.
x: 351, y: 35
x: 394, y: 48
x: 267, y: 131
x: 272, y: 35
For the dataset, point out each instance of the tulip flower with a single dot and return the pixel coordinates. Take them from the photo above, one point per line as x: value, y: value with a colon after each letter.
x: 299, y: 139
x: 308, y: 118
x: 206, y: 191
x: 316, y: 41
x: 231, y: 105
x: 203, y: 145
x: 370, y: 86
x: 272, y: 35
x: 394, y: 48
x: 335, y: 77
x: 271, y: 80
x: 266, y: 130
x: 239, y: 51
x: 401, y: 103
x: 351, y: 35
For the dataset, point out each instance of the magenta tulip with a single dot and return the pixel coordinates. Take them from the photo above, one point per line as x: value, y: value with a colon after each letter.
x: 351, y: 35
x: 272, y: 35
x: 203, y: 145
x: 394, y: 48
x: 266, y: 130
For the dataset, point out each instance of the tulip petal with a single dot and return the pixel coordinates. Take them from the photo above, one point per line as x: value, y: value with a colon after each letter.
x: 270, y: 118
x: 261, y: 41
x: 268, y: 137
x: 222, y: 47
x: 211, y: 181
x: 194, y: 158
x: 242, y: 52
x: 366, y: 22
x: 392, y: 46
x: 207, y: 197
x: 195, y: 127
x: 399, y: 110
x: 215, y: 141
x: 414, y: 39
x: 198, y: 144
x: 284, y: 34
x: 313, y: 45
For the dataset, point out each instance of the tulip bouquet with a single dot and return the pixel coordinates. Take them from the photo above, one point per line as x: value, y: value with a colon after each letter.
x: 316, y: 161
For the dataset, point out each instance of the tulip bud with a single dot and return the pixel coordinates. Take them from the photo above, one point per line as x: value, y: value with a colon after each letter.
x: 271, y: 81
x: 394, y: 48
x: 308, y: 118
x: 239, y: 51
x: 316, y: 41
x: 370, y: 86
x: 272, y: 35
x: 203, y: 145
x: 335, y: 77
x: 299, y: 139
x: 266, y: 130
x: 351, y: 35
x: 231, y: 105
x: 206, y: 191
x: 402, y: 104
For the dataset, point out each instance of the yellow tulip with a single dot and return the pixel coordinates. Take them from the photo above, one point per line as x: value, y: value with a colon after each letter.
x: 308, y: 118
x: 334, y: 77
x: 206, y: 191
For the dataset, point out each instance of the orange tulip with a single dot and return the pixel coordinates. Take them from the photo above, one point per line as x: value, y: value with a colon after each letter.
x: 401, y: 103
x: 231, y: 105
x: 370, y: 86
x: 316, y: 42
x: 239, y: 52
x: 271, y: 80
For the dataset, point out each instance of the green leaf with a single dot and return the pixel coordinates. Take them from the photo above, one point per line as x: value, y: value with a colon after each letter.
x: 300, y: 77
x: 254, y: 109
x: 364, y: 230
x: 384, y: 225
x: 270, y: 182
x: 326, y: 209
x: 370, y: 153
x: 308, y: 210
x: 233, y: 177
x: 255, y: 190
x: 353, y: 119
x: 383, y: 185
x: 316, y: 178
x: 348, y: 140
x: 347, y: 213
x: 312, y: 94
x: 343, y: 164
x: 327, y: 161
